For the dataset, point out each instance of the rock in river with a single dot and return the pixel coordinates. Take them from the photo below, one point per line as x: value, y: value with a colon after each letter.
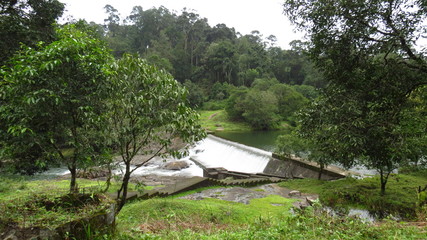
x: 177, y: 165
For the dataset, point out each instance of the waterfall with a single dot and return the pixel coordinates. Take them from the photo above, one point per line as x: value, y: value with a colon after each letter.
x: 217, y: 152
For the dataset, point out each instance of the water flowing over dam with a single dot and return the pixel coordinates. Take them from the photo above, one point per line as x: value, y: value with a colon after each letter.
x: 217, y: 152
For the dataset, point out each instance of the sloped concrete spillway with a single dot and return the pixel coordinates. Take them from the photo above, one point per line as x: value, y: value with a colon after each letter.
x: 214, y: 152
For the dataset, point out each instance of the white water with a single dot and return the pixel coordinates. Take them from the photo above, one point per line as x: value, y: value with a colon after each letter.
x: 217, y: 152
x: 210, y: 152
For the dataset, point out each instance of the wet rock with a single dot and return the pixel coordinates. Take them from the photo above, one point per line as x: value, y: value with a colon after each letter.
x: 311, y: 200
x: 294, y: 193
x: 177, y: 165
x: 93, y: 172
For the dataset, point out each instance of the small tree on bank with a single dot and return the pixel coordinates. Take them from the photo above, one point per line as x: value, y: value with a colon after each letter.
x: 54, y: 99
x: 148, y: 111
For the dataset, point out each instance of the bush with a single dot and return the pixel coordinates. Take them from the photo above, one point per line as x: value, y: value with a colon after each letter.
x: 213, y: 105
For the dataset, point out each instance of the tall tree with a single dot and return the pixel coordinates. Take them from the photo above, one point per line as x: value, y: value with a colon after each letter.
x: 55, y: 96
x: 366, y: 50
x: 26, y: 22
x: 148, y: 111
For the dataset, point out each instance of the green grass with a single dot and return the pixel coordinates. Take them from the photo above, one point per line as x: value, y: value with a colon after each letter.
x: 12, y: 186
x: 218, y: 121
x: 218, y: 219
x: 174, y: 218
x: 159, y: 214
x: 400, y: 198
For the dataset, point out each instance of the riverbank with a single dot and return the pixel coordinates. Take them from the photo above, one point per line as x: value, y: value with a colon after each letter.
x: 241, y: 213
x: 218, y: 120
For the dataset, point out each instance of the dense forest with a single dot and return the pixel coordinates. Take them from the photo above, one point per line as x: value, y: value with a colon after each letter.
x: 248, y: 75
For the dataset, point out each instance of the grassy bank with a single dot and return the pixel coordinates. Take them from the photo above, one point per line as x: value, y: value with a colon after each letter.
x: 265, y: 218
x: 218, y: 120
x: 400, y: 198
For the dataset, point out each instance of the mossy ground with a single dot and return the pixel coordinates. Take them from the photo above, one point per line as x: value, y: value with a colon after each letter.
x: 33, y: 203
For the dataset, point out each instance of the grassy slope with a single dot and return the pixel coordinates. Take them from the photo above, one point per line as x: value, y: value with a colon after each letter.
x: 173, y: 218
x: 218, y: 120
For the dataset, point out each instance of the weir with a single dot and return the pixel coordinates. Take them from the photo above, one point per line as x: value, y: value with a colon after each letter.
x: 215, y: 152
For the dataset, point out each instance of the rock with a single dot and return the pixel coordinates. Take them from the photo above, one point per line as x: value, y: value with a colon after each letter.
x: 295, y: 193
x: 93, y: 172
x: 11, y: 236
x: 177, y: 165
x: 311, y: 200
x: 303, y: 205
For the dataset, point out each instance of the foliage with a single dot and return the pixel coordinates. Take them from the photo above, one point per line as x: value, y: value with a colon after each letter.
x: 53, y: 99
x: 186, y: 46
x: 260, y: 109
x: 234, y: 103
x: 26, y: 22
x: 265, y: 104
x: 366, y: 53
x: 195, y: 94
x: 148, y: 111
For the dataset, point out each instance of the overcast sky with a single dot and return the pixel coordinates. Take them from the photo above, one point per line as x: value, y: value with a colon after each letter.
x: 245, y: 16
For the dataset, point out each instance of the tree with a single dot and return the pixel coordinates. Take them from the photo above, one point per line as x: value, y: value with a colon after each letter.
x: 260, y: 109
x: 366, y: 51
x: 364, y: 125
x: 54, y: 99
x: 289, y: 100
x: 221, y: 62
x: 26, y: 22
x: 148, y: 111
x: 343, y: 32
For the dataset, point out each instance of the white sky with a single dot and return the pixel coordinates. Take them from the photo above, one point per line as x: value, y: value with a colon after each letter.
x: 265, y: 16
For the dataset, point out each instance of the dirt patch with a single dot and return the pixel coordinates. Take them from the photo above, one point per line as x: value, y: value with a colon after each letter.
x: 212, y: 116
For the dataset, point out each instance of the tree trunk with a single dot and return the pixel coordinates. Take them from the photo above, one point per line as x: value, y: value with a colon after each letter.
x: 122, y: 193
x: 108, y: 182
x: 73, y: 171
x: 383, y: 178
x: 320, y: 171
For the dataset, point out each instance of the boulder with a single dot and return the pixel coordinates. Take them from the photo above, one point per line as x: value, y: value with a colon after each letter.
x: 294, y: 193
x: 177, y: 165
x: 311, y: 200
